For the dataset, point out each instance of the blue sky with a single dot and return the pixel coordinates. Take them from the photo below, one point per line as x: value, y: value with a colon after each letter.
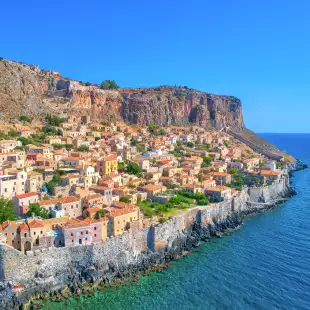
x: 255, y: 50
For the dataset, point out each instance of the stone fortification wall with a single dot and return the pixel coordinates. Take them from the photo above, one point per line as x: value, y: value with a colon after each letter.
x: 117, y: 257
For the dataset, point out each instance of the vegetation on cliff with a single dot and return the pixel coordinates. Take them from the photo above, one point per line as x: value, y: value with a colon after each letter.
x: 109, y: 84
x: 7, y: 212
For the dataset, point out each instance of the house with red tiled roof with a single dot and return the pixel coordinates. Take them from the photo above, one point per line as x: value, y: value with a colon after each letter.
x: 220, y: 192
x: 221, y: 178
x: 191, y: 188
x: 82, y: 232
x: 67, y: 206
x: 9, y: 230
x: 22, y: 202
x: 270, y: 175
x: 93, y: 200
x: 103, y: 190
x: 152, y: 190
x: 121, y: 216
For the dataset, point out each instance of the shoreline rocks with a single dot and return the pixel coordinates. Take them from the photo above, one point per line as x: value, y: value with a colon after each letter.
x: 83, y: 270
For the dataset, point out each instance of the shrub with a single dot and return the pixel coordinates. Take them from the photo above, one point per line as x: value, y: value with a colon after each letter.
x: 100, y: 213
x: 83, y: 148
x: 53, y: 120
x: 109, y: 84
x: 134, y: 168
x: 12, y: 134
x: 25, y: 118
x: 7, y: 208
x: 36, y: 209
x: 125, y: 199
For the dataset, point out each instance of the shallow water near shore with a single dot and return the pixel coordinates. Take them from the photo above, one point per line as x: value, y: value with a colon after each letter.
x: 264, y: 265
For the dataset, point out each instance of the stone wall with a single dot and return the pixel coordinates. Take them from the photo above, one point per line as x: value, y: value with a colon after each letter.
x: 117, y: 257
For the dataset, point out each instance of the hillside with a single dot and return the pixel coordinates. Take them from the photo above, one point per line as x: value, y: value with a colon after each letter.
x: 27, y: 90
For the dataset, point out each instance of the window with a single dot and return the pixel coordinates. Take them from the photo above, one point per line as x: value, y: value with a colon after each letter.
x: 25, y: 235
x: 72, y: 241
x: 86, y: 232
x: 34, y: 232
x: 95, y: 235
x: 5, y: 189
x: 71, y: 234
x: 81, y: 233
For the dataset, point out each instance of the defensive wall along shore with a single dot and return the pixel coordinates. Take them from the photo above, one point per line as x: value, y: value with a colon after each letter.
x: 137, y: 250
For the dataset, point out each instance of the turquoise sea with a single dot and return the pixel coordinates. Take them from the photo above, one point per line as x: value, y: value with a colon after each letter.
x: 265, y: 265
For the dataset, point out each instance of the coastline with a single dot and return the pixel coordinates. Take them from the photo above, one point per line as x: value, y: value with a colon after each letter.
x: 185, y: 240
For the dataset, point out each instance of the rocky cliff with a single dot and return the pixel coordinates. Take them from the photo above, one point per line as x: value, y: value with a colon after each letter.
x: 26, y: 90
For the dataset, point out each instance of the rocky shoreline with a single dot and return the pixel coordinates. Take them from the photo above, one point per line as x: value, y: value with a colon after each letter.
x: 180, y: 248
x: 86, y: 279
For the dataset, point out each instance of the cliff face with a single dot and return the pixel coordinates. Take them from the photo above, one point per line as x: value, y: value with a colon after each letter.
x: 26, y: 90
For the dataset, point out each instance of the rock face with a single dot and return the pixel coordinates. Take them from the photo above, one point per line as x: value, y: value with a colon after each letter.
x: 26, y: 90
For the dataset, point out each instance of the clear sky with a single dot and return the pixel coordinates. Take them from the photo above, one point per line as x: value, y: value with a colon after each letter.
x: 258, y: 51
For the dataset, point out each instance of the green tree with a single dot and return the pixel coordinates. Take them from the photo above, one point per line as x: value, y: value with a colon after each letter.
x: 133, y: 141
x: 146, y: 208
x: 68, y: 146
x: 12, y: 134
x: 190, y: 144
x: 7, y: 210
x: 51, y: 185
x: 25, y: 118
x: 162, y: 131
x: 134, y: 168
x: 233, y: 171
x: 57, y: 146
x: 125, y: 199
x: 39, y: 170
x: 121, y: 166
x: 206, y: 161
x: 100, y: 213
x: 152, y: 128
x: 109, y: 84
x: 54, y: 120
x: 19, y: 148
x: 36, y: 209
x: 83, y: 148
